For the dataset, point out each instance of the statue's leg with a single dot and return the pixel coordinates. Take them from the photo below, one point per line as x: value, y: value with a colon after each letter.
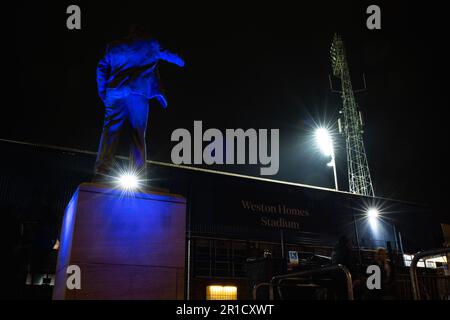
x: 115, y: 116
x: 137, y: 116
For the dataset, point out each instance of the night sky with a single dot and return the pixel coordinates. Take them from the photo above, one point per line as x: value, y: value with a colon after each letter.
x: 254, y: 66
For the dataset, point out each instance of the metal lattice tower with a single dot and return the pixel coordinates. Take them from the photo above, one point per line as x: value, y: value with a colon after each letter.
x: 351, y: 126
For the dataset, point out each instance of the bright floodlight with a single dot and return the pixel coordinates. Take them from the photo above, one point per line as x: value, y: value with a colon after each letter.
x: 324, y: 141
x: 373, y: 213
x: 128, y: 181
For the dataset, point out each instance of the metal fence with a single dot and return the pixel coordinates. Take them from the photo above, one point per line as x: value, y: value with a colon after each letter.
x: 431, y: 287
x: 415, y: 284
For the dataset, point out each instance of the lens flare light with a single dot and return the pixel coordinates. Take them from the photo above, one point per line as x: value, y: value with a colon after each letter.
x: 324, y: 141
x: 128, y: 181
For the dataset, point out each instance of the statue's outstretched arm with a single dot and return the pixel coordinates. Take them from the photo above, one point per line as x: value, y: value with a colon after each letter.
x: 171, y: 57
x: 103, y: 72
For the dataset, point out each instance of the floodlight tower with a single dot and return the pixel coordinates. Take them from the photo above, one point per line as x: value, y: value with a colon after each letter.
x: 351, y: 126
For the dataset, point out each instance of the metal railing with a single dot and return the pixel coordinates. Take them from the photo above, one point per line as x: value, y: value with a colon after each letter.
x: 276, y: 281
x: 267, y: 284
x: 413, y: 268
x: 256, y: 288
x: 432, y: 287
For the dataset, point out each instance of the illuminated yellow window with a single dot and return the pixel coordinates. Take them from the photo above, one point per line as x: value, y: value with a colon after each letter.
x: 221, y: 292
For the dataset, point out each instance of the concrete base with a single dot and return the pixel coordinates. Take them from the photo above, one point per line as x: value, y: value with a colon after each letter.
x: 126, y: 247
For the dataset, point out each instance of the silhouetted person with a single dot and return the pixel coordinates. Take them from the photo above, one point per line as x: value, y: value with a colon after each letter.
x: 343, y: 254
x: 127, y: 78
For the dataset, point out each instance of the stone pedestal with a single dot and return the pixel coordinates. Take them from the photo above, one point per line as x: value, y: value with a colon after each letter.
x: 127, y: 247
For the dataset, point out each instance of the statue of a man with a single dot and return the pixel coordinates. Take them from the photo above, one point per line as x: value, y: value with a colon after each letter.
x: 127, y: 78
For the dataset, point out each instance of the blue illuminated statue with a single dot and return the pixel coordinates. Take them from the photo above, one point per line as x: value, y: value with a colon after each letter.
x: 127, y: 78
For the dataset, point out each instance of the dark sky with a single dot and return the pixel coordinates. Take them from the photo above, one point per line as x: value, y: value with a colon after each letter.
x: 253, y: 66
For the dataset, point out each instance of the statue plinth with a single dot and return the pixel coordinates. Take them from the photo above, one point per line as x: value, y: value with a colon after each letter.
x: 127, y: 247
